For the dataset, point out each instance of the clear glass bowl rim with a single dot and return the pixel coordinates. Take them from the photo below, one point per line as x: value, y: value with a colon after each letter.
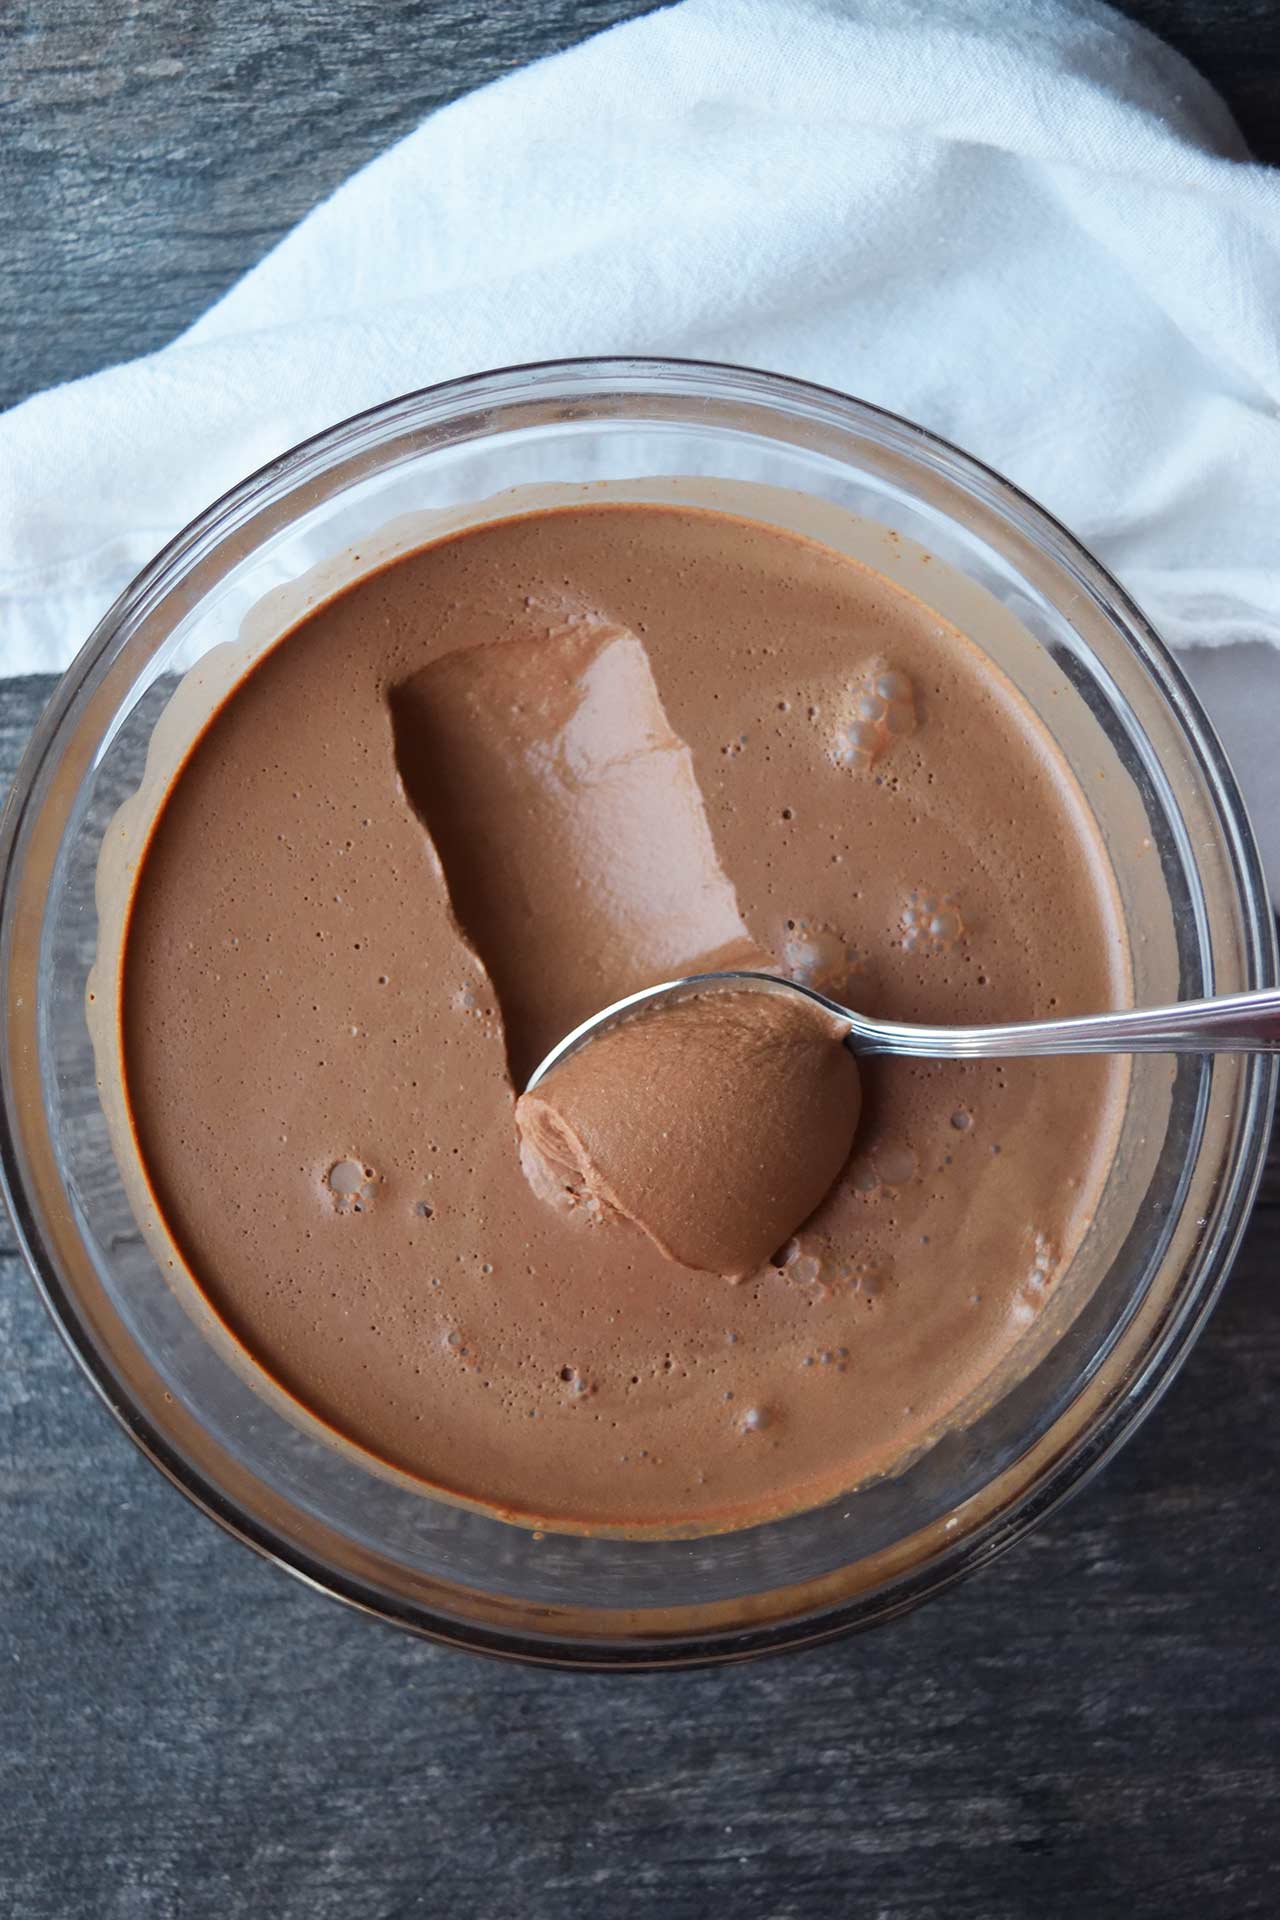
x: 594, y: 378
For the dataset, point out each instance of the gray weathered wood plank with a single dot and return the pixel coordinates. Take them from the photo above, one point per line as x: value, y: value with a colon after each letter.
x: 154, y: 149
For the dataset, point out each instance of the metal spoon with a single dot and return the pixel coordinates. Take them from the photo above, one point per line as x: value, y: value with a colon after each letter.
x: 1234, y: 1023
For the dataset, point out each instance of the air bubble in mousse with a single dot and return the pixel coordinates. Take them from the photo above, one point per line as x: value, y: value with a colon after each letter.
x: 880, y: 708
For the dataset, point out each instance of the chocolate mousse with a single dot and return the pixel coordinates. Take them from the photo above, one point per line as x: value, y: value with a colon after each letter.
x: 502, y: 781
x: 715, y: 1124
x: 568, y: 820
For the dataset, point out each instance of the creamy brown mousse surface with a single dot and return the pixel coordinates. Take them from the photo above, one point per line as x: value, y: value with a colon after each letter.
x: 716, y: 1124
x: 500, y: 783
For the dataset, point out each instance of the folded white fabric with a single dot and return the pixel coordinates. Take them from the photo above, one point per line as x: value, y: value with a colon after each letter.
x: 1033, y: 228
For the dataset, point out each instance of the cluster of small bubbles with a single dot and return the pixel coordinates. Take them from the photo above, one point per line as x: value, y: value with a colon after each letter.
x: 930, y: 923
x: 583, y: 1206
x: 466, y: 1002
x: 732, y: 748
x: 885, y: 1168
x: 1043, y: 1261
x: 837, y: 1357
x: 883, y: 707
x: 1030, y: 1295
x: 351, y: 1186
x: 577, y: 1382
x: 801, y: 1266
x: 818, y: 956
x: 865, y: 1281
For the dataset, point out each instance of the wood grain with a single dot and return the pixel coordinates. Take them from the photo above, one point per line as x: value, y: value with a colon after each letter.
x: 155, y: 149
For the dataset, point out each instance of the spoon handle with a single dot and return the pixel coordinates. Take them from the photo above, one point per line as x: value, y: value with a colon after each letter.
x: 1235, y: 1023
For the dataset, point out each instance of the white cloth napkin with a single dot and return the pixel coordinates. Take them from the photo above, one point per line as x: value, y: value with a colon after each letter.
x: 1032, y: 228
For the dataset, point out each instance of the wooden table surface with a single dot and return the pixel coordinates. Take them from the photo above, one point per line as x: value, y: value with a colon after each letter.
x: 1091, y: 1728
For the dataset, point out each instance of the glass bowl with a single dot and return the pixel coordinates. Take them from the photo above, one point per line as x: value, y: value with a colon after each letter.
x: 1194, y: 1135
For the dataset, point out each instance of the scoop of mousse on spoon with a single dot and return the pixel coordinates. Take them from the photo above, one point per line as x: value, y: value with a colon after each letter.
x: 715, y: 1111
